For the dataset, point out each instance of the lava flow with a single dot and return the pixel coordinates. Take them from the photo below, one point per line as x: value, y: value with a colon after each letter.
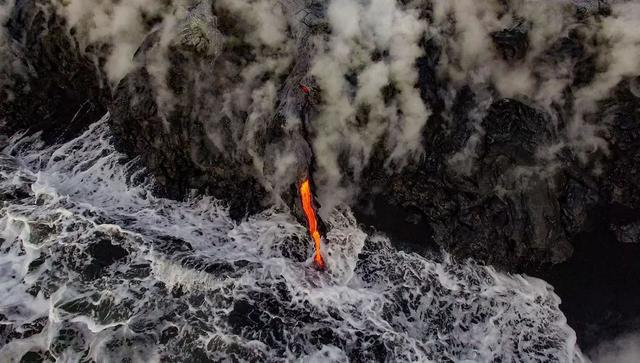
x: 312, y: 222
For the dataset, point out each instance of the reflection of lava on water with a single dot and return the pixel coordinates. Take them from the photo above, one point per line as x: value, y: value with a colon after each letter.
x: 312, y: 222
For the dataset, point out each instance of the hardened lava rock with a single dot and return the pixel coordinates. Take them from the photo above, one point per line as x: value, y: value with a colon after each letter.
x: 200, y: 31
x: 158, y: 115
x: 50, y: 84
x: 488, y: 215
x: 178, y: 113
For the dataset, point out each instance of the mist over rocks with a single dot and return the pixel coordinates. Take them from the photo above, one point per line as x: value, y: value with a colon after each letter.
x: 219, y: 117
x: 156, y: 112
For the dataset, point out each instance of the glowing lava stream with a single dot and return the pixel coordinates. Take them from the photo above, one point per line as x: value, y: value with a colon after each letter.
x: 312, y: 222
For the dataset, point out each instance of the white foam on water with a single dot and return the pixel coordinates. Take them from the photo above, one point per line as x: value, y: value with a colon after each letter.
x: 95, y: 267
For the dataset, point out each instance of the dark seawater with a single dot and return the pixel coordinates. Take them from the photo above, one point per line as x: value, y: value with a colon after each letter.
x: 600, y: 284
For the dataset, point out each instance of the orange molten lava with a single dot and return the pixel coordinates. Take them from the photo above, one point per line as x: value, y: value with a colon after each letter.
x: 312, y: 222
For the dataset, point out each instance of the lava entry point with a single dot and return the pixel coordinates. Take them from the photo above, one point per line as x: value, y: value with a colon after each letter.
x: 312, y: 222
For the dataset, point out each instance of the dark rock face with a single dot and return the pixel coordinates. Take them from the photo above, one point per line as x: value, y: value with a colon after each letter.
x: 513, y: 208
x: 167, y: 119
x: 58, y: 89
x: 176, y: 149
x: 498, y: 215
x: 622, y: 180
x: 512, y: 43
x: 502, y: 214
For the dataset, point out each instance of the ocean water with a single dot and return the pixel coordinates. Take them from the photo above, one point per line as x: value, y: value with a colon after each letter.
x: 94, y: 268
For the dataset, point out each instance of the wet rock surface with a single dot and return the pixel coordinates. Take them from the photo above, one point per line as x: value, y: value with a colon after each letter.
x: 512, y: 43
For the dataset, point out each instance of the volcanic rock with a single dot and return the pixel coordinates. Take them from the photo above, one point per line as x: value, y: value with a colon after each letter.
x: 53, y: 86
x: 512, y: 43
x: 179, y: 119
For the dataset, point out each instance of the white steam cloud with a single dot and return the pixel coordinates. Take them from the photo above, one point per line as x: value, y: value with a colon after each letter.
x: 360, y: 29
x: 122, y: 25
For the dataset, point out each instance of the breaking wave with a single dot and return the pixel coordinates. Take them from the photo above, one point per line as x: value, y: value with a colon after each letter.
x: 96, y: 268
